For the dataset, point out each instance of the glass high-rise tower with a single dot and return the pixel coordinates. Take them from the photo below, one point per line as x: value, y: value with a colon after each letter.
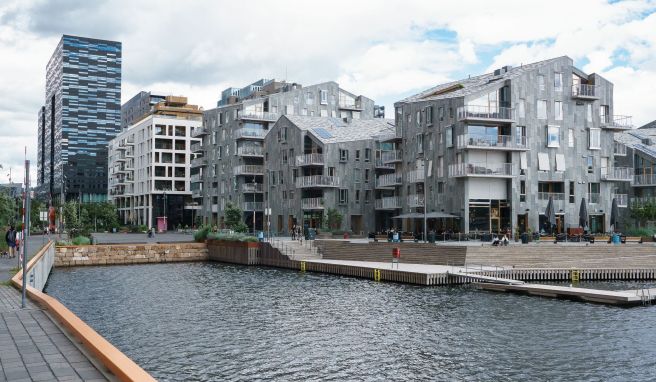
x: 82, y: 113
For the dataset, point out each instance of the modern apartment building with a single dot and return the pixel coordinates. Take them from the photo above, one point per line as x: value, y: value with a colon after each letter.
x: 231, y: 169
x: 80, y: 116
x: 492, y: 150
x: 317, y: 163
x: 150, y: 166
x: 138, y: 107
x: 638, y: 151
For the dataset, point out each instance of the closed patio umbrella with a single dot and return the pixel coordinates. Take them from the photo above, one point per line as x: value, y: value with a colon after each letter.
x: 614, y: 215
x: 550, y: 213
x: 583, y: 214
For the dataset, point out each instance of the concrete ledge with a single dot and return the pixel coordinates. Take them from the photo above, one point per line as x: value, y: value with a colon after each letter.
x: 115, y: 254
x: 118, y: 363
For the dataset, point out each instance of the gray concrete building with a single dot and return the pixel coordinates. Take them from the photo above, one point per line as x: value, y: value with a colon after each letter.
x: 491, y: 150
x: 138, y: 107
x: 230, y: 163
x: 317, y: 163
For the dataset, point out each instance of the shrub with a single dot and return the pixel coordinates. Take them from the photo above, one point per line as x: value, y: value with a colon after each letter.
x: 240, y: 227
x: 202, y: 234
x: 232, y: 237
x: 61, y: 243
x: 633, y: 231
x: 81, y: 240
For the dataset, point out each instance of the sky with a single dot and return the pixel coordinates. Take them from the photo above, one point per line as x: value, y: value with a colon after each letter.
x: 385, y: 50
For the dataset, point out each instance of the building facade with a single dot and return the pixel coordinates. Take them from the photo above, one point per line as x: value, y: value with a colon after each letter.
x: 150, y: 166
x: 138, y: 107
x: 80, y: 116
x: 231, y: 163
x: 490, y: 151
x: 318, y: 163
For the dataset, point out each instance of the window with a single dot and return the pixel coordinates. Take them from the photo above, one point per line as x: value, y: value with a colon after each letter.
x: 309, y: 99
x: 560, y: 162
x: 450, y: 112
x: 324, y: 97
x: 358, y: 175
x: 367, y: 196
x: 420, y: 143
x: 522, y: 191
x: 284, y: 157
x: 367, y: 155
x: 418, y: 118
x: 520, y: 135
x: 541, y: 82
x: 289, y: 109
x: 357, y: 196
x: 590, y: 164
x: 366, y: 175
x: 343, y: 196
x: 543, y: 162
x: 521, y: 108
x: 440, y: 113
x: 588, y: 113
x: 558, y: 110
x: 595, y: 139
x: 343, y: 155
x: 160, y: 130
x: 571, y: 192
x: 180, y: 131
x: 603, y: 114
x: 542, y: 109
x: 357, y: 155
x: 558, y: 82
x: 281, y: 177
x: 331, y: 171
x: 429, y: 115
x: 553, y: 136
x: 449, y: 137
x: 570, y: 137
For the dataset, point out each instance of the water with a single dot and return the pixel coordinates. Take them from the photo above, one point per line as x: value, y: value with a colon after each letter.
x: 215, y: 322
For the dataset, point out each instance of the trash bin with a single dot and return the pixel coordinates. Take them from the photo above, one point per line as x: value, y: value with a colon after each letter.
x: 114, y: 230
x: 395, y: 237
x: 346, y: 235
x: 524, y: 238
x: 616, y: 239
x: 311, y: 233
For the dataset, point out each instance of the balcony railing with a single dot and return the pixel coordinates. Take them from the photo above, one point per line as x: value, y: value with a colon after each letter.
x: 318, y: 181
x: 382, y: 165
x: 391, y: 156
x: 641, y: 201
x: 196, y: 178
x: 389, y: 180
x: 622, y: 199
x: 416, y: 200
x: 388, y: 203
x: 617, y: 122
x: 622, y: 174
x: 619, y: 149
x: 594, y: 197
x: 196, y: 147
x: 644, y: 180
x: 252, y: 206
x: 252, y: 187
x: 199, y: 162
x: 350, y: 105
x: 309, y: 159
x: 491, y: 141
x: 199, y: 132
x: 585, y: 91
x: 250, y: 133
x: 473, y: 112
x: 258, y: 115
x: 312, y: 203
x: 389, y: 137
x: 198, y: 193
x: 250, y: 151
x: 481, y: 169
x: 556, y: 196
x: 248, y: 169
x: 416, y: 176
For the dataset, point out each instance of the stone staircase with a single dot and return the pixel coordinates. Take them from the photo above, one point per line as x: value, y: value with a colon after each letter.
x: 413, y: 253
x: 297, y: 250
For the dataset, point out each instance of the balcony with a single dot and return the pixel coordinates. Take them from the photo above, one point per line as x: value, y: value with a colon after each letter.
x: 312, y: 204
x: 617, y: 174
x: 196, y: 147
x: 199, y: 132
x: 389, y: 180
x: 391, y: 156
x: 617, y: 122
x: 416, y: 176
x: 196, y: 178
x: 388, y: 203
x: 248, y: 169
x: 257, y: 116
x: 196, y: 193
x: 594, y: 197
x: 416, y: 200
x: 350, y: 105
x: 247, y: 133
x: 389, y: 137
x: 215, y: 208
x: 492, y: 142
x: 584, y: 91
x: 199, y: 162
x: 485, y: 170
x: 317, y: 181
x: 619, y: 149
x: 380, y: 165
x: 313, y: 159
x: 252, y: 206
x: 486, y: 114
x: 250, y: 151
x: 622, y: 199
x: 641, y: 201
x: 556, y: 196
x: 251, y: 188
x: 644, y: 180
x: 121, y: 148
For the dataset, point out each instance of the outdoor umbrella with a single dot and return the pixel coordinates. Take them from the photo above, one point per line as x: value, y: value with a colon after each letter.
x: 583, y: 214
x: 614, y: 215
x: 550, y: 213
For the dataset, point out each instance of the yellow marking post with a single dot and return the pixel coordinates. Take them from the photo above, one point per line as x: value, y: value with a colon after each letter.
x: 377, y: 274
x: 302, y: 266
x: 575, y: 275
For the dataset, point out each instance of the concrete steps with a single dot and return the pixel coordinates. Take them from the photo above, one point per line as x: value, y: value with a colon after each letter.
x: 296, y: 250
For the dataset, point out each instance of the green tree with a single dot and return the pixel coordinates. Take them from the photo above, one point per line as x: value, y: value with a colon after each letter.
x: 7, y: 209
x: 334, y: 218
x: 233, y: 215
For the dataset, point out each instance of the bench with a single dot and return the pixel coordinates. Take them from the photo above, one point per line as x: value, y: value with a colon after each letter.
x: 631, y: 239
x: 407, y: 237
x: 380, y: 238
x: 547, y: 239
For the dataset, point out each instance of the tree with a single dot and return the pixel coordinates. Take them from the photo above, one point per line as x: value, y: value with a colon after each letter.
x: 233, y: 215
x: 334, y: 218
x: 7, y: 209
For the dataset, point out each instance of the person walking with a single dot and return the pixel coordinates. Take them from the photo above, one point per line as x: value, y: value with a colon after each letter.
x: 10, y: 238
x: 294, y: 232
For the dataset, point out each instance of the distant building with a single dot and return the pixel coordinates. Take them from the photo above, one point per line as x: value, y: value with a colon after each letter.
x: 150, y: 162
x: 15, y: 190
x: 138, y: 107
x: 80, y: 116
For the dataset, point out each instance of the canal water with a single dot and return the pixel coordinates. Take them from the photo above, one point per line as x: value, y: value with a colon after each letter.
x: 216, y: 322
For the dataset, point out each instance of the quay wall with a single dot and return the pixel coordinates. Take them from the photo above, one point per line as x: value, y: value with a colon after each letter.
x: 412, y: 253
x: 115, y: 254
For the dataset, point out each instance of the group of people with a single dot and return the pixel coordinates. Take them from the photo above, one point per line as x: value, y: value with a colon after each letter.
x: 297, y: 232
x: 503, y: 241
x: 13, y: 240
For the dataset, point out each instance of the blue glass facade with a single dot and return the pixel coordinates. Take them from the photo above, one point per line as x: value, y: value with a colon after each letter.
x: 82, y: 113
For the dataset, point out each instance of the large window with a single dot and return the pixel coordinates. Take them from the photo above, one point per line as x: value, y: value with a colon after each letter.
x: 542, y: 109
x: 180, y: 131
x: 558, y: 110
x: 429, y: 115
x: 449, y: 137
x: 558, y: 82
x: 553, y: 136
x: 164, y: 144
x: 324, y: 97
x: 595, y: 139
x: 343, y: 155
x: 603, y: 113
x: 540, y: 81
x: 343, y: 196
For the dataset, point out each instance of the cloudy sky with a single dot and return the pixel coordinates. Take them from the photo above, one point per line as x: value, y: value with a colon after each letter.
x: 385, y: 50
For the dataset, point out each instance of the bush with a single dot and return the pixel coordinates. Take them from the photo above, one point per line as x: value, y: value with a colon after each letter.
x: 202, y: 234
x: 240, y: 227
x: 81, y: 240
x: 633, y: 231
x: 232, y: 237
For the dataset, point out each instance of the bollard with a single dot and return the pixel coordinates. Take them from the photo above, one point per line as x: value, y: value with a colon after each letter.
x: 376, y: 274
x: 302, y: 266
x: 574, y: 275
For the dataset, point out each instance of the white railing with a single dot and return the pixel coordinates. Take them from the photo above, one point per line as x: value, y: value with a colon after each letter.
x: 416, y: 200
x: 485, y: 112
x: 390, y: 202
x: 250, y: 133
x: 584, y: 90
x: 250, y: 150
x: 388, y: 180
x: 252, y: 187
x: 258, y: 115
x: 348, y: 105
x: 252, y: 206
x: 381, y: 164
x: 594, y: 197
x: 481, y: 169
x: 318, y: 181
x: 391, y: 156
x: 617, y: 173
x: 248, y: 169
x: 622, y: 199
x: 309, y: 159
x: 556, y: 196
x: 312, y: 203
x: 416, y: 176
x: 492, y: 141
x: 199, y: 132
x: 620, y: 122
x: 644, y: 180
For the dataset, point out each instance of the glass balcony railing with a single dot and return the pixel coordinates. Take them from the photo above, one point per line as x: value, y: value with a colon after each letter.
x: 388, y: 203
x: 248, y: 169
x: 317, y: 181
x: 585, y: 91
x: 312, y: 203
x: 252, y: 206
x: 555, y: 196
x: 617, y: 173
x: 617, y: 122
x: 389, y: 180
x: 309, y: 159
x: 416, y: 176
x: 250, y: 133
x: 391, y: 156
x: 250, y: 151
x: 481, y: 169
x: 491, y: 141
x: 258, y: 115
x: 252, y: 187
x: 473, y: 112
x: 644, y: 180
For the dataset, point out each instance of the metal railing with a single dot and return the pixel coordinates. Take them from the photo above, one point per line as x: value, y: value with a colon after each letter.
x: 252, y: 187
x: 644, y: 180
x: 312, y: 203
x: 250, y: 150
x: 252, y: 206
x: 196, y: 147
x: 620, y: 122
x: 250, y: 133
x: 486, y: 112
x: 195, y: 178
x: 199, y: 132
x: 481, y: 169
x: 389, y: 202
x: 619, y: 149
x: 258, y: 115
x: 318, y: 181
x: 584, y: 91
x: 622, y: 199
x: 491, y: 141
x: 199, y: 162
x: 617, y: 173
x: 641, y: 201
x: 309, y: 159
x: 391, y: 156
x: 248, y: 169
x: 389, y: 180
x: 556, y: 196
x: 198, y: 193
x: 416, y: 176
x: 416, y: 200
x: 381, y: 164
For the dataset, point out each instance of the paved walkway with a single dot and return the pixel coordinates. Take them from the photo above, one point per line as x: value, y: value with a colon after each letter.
x: 34, y: 243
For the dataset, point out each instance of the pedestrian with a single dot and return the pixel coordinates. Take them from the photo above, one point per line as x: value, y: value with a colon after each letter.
x: 294, y: 232
x: 10, y: 238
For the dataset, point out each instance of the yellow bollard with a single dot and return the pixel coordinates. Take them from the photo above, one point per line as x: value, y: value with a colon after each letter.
x: 574, y: 275
x: 376, y: 274
x: 302, y: 266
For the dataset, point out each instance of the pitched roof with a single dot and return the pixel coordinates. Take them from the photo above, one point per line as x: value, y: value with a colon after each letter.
x: 334, y: 130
